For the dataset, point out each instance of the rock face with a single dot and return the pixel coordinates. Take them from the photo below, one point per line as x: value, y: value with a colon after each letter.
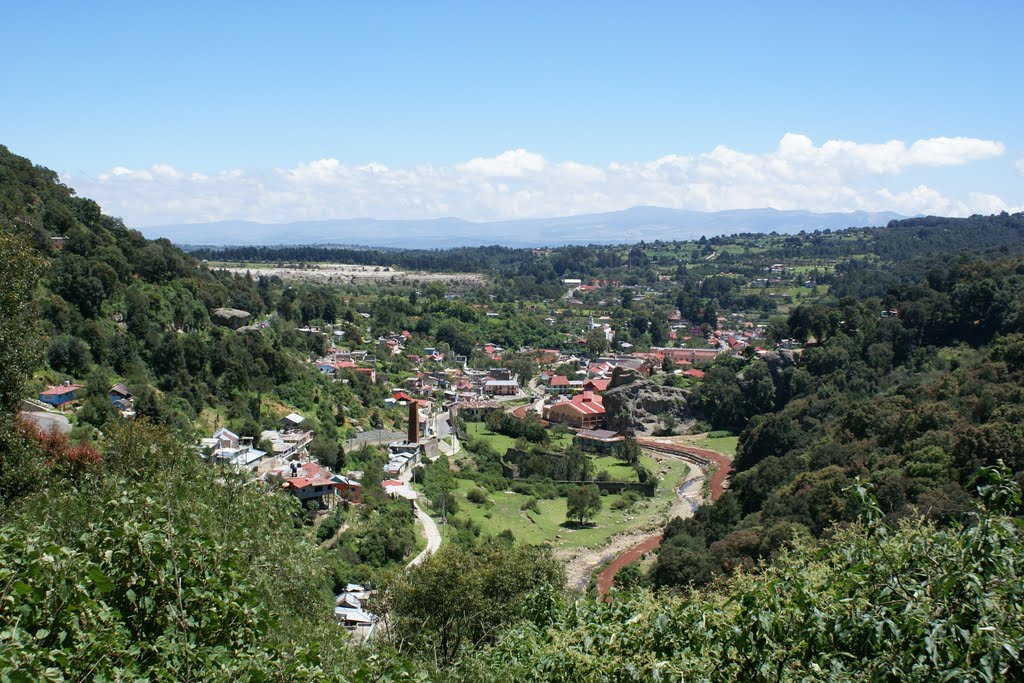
x: 634, y: 405
x: 230, y: 317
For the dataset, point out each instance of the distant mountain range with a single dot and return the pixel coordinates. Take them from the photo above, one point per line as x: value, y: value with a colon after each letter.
x: 627, y: 226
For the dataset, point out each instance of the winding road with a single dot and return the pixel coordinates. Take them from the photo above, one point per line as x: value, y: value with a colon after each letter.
x: 430, y: 529
x: 432, y: 533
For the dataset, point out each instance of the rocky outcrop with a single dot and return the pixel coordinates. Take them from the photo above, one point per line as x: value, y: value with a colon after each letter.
x: 230, y: 317
x: 634, y: 405
x: 780, y: 360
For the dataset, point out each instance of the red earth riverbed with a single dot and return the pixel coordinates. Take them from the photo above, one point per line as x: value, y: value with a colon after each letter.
x: 606, y: 578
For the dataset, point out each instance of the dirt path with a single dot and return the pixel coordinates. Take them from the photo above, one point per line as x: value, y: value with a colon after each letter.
x: 722, y: 468
x: 580, y: 563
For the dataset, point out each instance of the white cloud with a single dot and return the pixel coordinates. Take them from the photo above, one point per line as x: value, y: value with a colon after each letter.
x: 514, y: 163
x: 838, y: 175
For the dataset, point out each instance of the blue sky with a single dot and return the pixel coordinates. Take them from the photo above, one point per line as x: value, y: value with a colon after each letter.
x: 183, y: 112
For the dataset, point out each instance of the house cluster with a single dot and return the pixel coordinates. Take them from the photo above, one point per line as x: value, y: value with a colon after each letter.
x: 402, y: 457
x: 395, y: 343
x: 492, y: 351
x: 339, y: 361
x: 464, y: 384
x: 286, y: 465
x: 430, y: 354
x: 227, y: 448
x: 288, y: 442
x: 66, y: 396
x: 123, y: 400
x: 577, y: 401
x: 349, y: 611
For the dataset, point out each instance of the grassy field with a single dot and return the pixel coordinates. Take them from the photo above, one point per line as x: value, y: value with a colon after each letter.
x: 501, y: 443
x: 504, y: 511
x: 726, y: 445
x: 621, y: 471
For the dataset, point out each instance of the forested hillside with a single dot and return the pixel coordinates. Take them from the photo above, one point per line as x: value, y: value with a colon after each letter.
x: 115, y: 306
x: 915, y: 403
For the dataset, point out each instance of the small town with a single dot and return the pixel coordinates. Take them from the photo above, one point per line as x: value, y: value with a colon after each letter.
x: 561, y: 343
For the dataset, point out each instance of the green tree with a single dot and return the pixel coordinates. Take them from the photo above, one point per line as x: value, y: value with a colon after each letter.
x: 462, y: 598
x: 583, y: 503
x: 20, y: 270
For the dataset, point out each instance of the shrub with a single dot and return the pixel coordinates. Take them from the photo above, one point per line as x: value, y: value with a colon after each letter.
x: 522, y: 488
x: 627, y: 500
x: 477, y: 495
x: 327, y: 529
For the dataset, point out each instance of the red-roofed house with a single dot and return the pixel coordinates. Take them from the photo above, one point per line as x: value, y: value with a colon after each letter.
x: 596, y: 385
x: 309, y: 481
x: 583, y: 411
x: 693, y: 372
x: 559, y: 384
x: 61, y: 395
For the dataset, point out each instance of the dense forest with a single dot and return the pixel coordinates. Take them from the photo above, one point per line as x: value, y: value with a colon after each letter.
x: 872, y: 529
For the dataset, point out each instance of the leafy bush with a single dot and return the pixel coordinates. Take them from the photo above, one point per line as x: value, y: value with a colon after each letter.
x: 627, y: 500
x: 877, y: 603
x: 477, y: 495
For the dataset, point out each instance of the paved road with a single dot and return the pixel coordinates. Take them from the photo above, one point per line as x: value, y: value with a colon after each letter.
x: 430, y: 529
x: 442, y: 427
x: 432, y: 533
x: 450, y: 450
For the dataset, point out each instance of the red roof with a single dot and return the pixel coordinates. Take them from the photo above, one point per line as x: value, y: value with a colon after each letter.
x: 303, y: 482
x: 559, y: 381
x: 585, y: 403
x: 60, y: 390
x: 597, y: 384
x: 692, y: 372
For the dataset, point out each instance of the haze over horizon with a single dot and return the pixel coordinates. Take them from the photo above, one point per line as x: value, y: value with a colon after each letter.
x: 193, y: 114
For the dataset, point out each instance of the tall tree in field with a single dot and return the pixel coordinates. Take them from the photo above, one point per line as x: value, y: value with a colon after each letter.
x: 583, y: 503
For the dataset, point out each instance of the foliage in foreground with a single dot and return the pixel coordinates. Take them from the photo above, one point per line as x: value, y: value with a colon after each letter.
x: 152, y: 565
x: 915, y: 603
